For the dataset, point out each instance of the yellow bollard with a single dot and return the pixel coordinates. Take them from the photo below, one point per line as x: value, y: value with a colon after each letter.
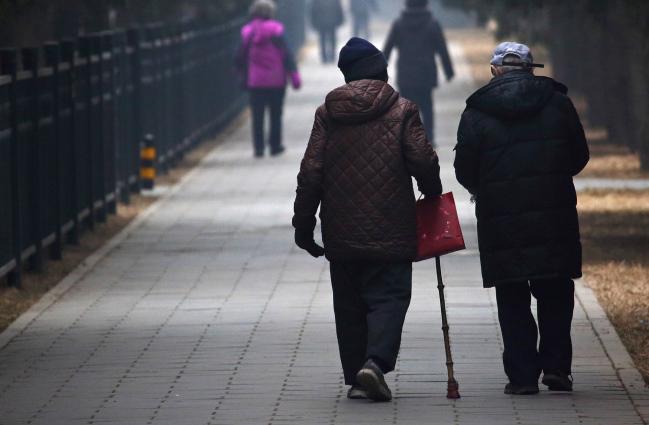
x: 147, y: 163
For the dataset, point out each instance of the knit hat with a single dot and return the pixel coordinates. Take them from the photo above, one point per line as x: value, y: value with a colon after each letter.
x: 360, y: 59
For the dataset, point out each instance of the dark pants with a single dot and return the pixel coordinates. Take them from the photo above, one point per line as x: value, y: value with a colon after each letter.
x: 370, y: 303
x: 328, y: 44
x: 260, y: 100
x: 361, y: 26
x: 555, y: 302
x: 423, y: 97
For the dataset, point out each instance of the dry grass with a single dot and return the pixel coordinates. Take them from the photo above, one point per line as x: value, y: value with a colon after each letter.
x: 14, y: 302
x: 615, y: 234
x: 478, y: 45
x: 608, y: 160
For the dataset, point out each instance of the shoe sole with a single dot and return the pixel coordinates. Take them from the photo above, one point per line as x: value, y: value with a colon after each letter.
x: 357, y: 397
x: 554, y: 383
x: 522, y: 391
x: 374, y: 385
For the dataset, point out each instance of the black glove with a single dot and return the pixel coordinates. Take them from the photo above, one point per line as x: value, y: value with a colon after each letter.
x: 304, y: 240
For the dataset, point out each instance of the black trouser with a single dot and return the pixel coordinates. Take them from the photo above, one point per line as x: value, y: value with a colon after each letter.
x: 555, y: 302
x: 370, y: 303
x: 328, y: 44
x: 423, y: 97
x: 260, y: 100
x: 362, y: 26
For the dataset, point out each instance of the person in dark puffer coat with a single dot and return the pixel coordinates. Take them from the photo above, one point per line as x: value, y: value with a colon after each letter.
x: 366, y: 144
x: 520, y: 142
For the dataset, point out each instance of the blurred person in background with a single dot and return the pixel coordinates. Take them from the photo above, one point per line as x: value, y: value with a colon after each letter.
x: 361, y: 11
x: 519, y: 144
x: 420, y: 40
x: 367, y: 211
x: 326, y: 17
x: 266, y: 64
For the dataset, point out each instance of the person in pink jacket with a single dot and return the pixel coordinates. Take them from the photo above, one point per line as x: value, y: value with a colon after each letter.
x: 266, y: 65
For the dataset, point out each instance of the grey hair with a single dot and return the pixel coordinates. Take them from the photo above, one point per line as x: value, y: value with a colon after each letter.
x: 264, y: 9
x: 512, y: 59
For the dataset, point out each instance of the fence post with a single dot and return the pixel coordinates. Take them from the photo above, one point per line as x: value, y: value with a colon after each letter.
x: 30, y: 63
x: 52, y: 58
x: 9, y: 66
x: 108, y: 110
x: 123, y: 117
x: 135, y: 64
x: 67, y: 55
x: 85, y: 52
x: 100, y: 167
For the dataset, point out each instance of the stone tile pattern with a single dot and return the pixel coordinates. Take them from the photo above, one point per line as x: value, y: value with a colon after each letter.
x: 208, y: 314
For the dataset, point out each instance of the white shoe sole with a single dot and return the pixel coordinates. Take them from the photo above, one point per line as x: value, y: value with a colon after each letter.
x: 374, y: 385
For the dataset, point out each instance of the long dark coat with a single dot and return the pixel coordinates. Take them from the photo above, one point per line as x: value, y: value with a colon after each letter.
x: 366, y: 144
x: 420, y: 40
x: 326, y: 14
x: 520, y: 142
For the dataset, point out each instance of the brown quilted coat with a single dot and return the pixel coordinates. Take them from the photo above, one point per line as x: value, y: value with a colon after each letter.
x: 366, y: 143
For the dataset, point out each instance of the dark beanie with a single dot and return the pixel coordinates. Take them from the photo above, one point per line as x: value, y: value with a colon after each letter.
x: 359, y: 59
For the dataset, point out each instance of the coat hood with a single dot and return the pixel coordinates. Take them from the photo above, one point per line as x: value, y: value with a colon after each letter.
x: 360, y: 101
x: 515, y: 94
x: 262, y: 30
x: 416, y: 17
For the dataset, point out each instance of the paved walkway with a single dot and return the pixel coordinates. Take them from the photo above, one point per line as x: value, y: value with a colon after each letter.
x: 204, y: 312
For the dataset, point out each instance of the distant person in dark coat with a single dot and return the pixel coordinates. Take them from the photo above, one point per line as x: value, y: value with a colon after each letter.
x: 366, y: 145
x: 520, y: 143
x: 420, y: 40
x: 361, y: 11
x: 326, y: 17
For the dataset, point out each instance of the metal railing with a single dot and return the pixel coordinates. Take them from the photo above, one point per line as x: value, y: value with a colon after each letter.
x: 73, y: 115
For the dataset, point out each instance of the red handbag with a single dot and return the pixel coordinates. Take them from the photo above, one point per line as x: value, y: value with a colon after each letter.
x: 438, y: 227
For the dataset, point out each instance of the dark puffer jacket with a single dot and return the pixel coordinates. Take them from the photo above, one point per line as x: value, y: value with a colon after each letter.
x: 365, y: 145
x: 326, y: 14
x: 419, y: 38
x: 520, y: 142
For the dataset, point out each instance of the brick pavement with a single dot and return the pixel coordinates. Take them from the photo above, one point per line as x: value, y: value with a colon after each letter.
x: 204, y: 312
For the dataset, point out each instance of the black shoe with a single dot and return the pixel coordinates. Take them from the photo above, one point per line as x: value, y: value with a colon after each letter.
x: 278, y: 151
x: 259, y: 154
x: 557, y: 381
x: 356, y: 392
x: 516, y: 389
x: 371, y: 378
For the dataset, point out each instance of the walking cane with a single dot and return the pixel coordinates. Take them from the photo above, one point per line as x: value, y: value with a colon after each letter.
x: 452, y: 391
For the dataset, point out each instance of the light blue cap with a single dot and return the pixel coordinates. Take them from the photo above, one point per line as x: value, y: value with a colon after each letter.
x: 511, y: 48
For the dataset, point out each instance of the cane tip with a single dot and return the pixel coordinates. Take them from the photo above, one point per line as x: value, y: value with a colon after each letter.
x: 453, y: 394
x: 453, y: 390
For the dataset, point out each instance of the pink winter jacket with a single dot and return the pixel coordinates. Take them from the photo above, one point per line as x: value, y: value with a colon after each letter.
x: 267, y: 55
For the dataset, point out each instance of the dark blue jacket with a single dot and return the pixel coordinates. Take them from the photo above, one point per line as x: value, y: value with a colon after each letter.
x: 520, y: 142
x: 420, y: 40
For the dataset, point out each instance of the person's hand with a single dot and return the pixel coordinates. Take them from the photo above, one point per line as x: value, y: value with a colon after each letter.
x: 305, y: 241
x: 296, y: 80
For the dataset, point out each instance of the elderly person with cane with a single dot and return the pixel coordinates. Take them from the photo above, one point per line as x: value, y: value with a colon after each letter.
x: 520, y: 143
x: 366, y: 144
